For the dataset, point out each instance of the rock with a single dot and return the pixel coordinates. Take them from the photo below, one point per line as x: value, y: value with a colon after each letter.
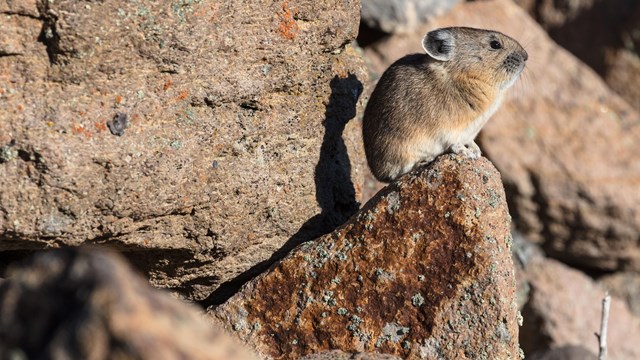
x: 564, y: 144
x: 401, y: 16
x: 623, y: 63
x: 564, y: 309
x: 88, y: 304
x: 613, y: 32
x: 28, y: 8
x: 626, y: 286
x: 341, y: 355
x: 424, y: 270
x: 569, y: 23
x: 237, y: 141
x: 623, y: 72
x: 565, y: 353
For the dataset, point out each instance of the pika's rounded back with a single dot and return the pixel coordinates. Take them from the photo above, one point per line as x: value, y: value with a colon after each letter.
x: 428, y: 104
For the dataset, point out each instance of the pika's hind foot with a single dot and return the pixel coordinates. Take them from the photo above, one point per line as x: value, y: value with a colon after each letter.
x: 470, y: 150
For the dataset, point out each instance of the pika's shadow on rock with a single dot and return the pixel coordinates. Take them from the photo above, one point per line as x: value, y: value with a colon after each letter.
x: 335, y: 192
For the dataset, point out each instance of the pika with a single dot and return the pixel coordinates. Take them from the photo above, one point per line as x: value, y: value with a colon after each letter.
x: 427, y: 104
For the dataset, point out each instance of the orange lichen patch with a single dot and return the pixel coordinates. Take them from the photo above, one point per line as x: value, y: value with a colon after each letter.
x: 118, y: 99
x: 100, y: 126
x: 218, y: 148
x: 167, y: 85
x: 183, y: 95
x: 20, y: 107
x: 288, y: 27
x: 78, y: 129
x: 202, y: 10
x: 202, y: 175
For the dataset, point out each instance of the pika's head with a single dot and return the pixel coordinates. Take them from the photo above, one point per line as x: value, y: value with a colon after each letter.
x: 482, y: 54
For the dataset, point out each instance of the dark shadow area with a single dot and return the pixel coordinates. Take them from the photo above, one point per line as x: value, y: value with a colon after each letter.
x: 335, y: 192
x: 368, y: 35
x: 10, y: 257
x: 593, y: 31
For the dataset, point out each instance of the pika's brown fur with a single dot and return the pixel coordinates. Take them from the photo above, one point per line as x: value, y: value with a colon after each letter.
x: 428, y: 104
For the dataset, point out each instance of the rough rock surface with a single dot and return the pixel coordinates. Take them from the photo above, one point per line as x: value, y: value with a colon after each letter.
x: 196, y: 137
x: 566, y: 145
x: 424, y: 270
x: 81, y: 304
x: 565, y: 308
x: 341, y: 355
x: 398, y: 16
x: 623, y: 73
x: 569, y: 352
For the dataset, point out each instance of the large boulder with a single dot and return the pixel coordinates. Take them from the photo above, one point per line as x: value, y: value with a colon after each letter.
x: 565, y: 144
x: 565, y: 309
x: 89, y: 304
x: 424, y: 270
x: 197, y: 138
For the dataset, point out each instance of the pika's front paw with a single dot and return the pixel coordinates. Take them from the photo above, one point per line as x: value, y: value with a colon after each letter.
x: 470, y: 150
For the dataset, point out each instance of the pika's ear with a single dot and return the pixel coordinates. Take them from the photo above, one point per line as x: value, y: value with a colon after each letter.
x: 439, y: 44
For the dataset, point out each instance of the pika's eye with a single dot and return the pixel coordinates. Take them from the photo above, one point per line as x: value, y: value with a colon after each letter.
x: 495, y: 44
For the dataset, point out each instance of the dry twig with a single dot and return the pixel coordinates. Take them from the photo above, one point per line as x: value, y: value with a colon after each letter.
x: 604, y: 323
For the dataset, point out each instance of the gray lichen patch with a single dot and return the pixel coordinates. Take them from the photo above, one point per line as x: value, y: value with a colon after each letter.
x: 417, y: 300
x: 383, y: 275
x: 502, y: 333
x: 240, y: 319
x: 394, y: 332
x: 431, y: 349
x: 494, y: 198
x: 328, y: 298
x: 7, y: 153
x: 54, y: 223
x: 393, y: 202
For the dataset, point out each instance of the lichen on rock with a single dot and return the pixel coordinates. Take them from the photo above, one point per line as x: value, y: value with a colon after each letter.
x: 460, y: 265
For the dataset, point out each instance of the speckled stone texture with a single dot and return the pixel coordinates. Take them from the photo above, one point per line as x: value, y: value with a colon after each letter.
x: 89, y: 304
x: 565, y: 144
x: 424, y: 270
x: 234, y: 130
x: 341, y: 355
